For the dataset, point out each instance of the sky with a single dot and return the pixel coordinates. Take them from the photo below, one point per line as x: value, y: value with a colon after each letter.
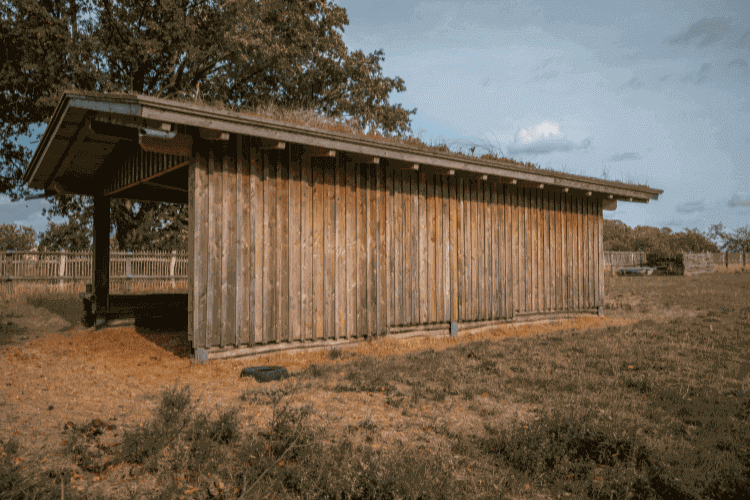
x: 651, y: 92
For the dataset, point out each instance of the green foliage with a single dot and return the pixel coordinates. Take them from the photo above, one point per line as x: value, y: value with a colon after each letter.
x: 618, y: 237
x: 738, y: 241
x: 238, y: 53
x: 16, y: 237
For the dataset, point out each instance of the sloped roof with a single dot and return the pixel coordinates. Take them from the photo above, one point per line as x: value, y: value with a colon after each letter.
x: 74, y: 157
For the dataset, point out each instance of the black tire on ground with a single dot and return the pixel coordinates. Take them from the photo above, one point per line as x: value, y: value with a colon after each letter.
x: 265, y: 373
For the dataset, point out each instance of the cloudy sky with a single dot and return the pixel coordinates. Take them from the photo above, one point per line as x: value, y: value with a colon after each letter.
x: 652, y: 92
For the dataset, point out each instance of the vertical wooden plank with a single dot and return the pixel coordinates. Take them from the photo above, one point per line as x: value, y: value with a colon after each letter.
x: 270, y: 247
x: 479, y: 249
x: 318, y: 258
x: 431, y: 240
x: 438, y: 285
x: 372, y: 249
x: 244, y: 223
x: 592, y: 253
x: 213, y: 306
x: 447, y: 246
x: 534, y: 239
x: 580, y: 250
x: 473, y: 228
x: 282, y: 246
x: 540, y: 248
x: 398, y: 245
x: 423, y: 277
x: 382, y: 266
x: 340, y: 267
x: 406, y: 288
x: 552, y: 263
x: 193, y: 244
x: 488, y: 245
x: 585, y: 239
x: 227, y: 176
x: 389, y: 245
x: 306, y: 225
x: 363, y: 324
x: 460, y: 274
x: 295, y: 244
x: 510, y: 200
x: 256, y: 245
x: 351, y: 249
x: 454, y: 252
x: 569, y: 304
x: 543, y: 260
x: 468, y: 224
x: 329, y: 221
x: 600, y: 252
x: 496, y: 251
x: 201, y: 250
x: 564, y: 250
x: 415, y: 258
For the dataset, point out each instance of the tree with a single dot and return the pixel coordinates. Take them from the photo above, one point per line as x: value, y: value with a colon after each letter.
x: 618, y: 237
x: 238, y: 52
x: 738, y: 241
x: 17, y: 238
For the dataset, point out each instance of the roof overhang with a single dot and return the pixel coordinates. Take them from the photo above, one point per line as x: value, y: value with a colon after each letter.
x: 90, y: 135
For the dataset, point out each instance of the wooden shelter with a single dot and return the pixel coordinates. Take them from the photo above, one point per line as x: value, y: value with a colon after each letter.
x: 303, y: 237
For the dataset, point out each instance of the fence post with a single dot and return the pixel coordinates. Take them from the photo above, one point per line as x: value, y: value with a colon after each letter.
x: 128, y: 269
x: 8, y: 274
x: 61, y: 268
x: 726, y: 259
x: 172, y: 263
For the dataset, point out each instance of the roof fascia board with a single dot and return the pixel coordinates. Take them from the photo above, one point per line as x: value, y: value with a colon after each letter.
x: 49, y: 133
x: 268, y: 129
x: 150, y: 108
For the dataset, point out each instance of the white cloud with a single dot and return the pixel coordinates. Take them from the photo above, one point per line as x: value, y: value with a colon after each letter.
x: 543, y: 138
x: 691, y: 206
x: 740, y: 200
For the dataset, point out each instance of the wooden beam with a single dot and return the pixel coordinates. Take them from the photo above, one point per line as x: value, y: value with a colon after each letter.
x: 541, y: 186
x: 358, y: 158
x: 415, y: 166
x: 451, y: 172
x: 588, y: 193
x: 165, y: 186
x: 484, y: 177
x: 314, y: 151
x: 272, y: 144
x: 100, y: 275
x: 179, y: 145
x: 213, y: 135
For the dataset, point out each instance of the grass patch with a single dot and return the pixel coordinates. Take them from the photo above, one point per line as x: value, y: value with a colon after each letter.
x: 659, y: 408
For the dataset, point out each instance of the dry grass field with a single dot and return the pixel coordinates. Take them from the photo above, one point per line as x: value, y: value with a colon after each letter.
x: 650, y: 401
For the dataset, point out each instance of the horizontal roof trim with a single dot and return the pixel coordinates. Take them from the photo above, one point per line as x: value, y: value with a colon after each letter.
x: 142, y: 109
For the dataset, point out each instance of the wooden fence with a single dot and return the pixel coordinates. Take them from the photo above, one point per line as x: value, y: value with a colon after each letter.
x: 129, y: 271
x: 698, y: 262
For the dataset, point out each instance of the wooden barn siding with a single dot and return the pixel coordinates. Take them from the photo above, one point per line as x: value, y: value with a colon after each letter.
x: 291, y: 247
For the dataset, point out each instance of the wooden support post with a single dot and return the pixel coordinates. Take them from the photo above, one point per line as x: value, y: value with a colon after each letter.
x: 100, y: 276
x: 61, y: 268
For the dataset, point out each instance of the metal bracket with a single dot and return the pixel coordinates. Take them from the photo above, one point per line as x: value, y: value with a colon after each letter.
x: 201, y: 355
x: 454, y: 328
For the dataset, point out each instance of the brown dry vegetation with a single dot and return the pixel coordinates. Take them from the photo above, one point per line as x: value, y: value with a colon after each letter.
x: 650, y: 401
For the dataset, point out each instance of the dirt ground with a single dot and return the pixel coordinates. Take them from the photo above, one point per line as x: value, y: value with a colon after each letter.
x: 54, y: 371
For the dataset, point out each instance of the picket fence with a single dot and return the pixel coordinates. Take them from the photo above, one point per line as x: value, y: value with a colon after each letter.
x: 70, y: 271
x: 157, y: 270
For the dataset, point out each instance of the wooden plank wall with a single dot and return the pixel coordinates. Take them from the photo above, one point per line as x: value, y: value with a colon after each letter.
x: 288, y: 247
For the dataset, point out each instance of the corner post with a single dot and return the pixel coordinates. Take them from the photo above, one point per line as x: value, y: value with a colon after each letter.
x: 100, y: 276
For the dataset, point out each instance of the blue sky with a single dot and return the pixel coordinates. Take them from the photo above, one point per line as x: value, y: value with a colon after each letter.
x: 652, y: 92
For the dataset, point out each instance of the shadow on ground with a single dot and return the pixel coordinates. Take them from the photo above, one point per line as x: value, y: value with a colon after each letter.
x: 169, y: 333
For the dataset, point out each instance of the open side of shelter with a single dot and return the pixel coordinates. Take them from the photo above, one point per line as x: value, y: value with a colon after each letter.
x: 300, y: 237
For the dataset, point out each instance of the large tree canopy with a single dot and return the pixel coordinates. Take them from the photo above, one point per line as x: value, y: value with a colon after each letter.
x: 239, y: 52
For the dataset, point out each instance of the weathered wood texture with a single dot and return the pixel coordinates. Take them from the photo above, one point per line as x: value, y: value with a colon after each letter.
x: 287, y: 245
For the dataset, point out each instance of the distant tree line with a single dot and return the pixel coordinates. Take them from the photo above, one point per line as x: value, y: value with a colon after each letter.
x: 75, y: 236
x: 619, y: 237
